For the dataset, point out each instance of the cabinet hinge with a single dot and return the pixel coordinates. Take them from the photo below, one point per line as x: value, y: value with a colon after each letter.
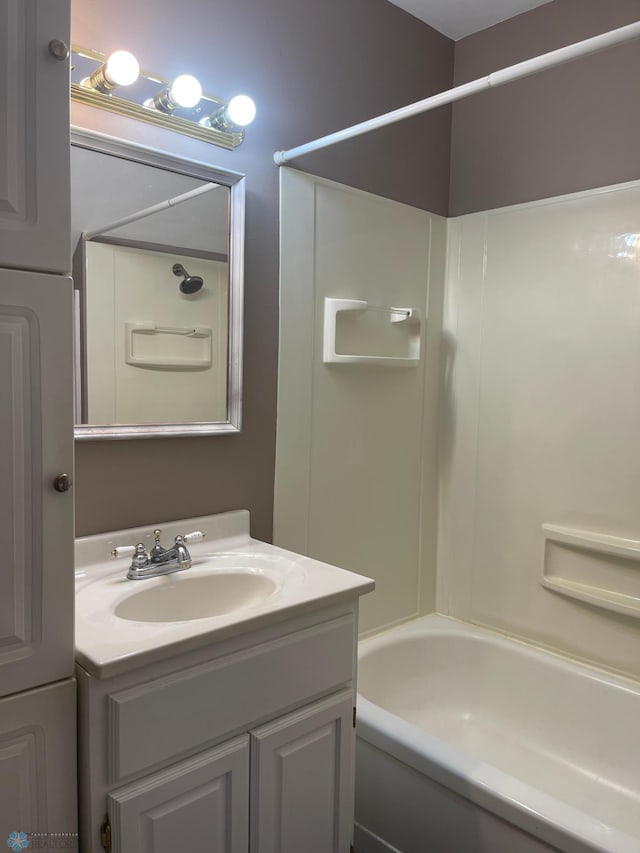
x: 354, y: 716
x: 105, y: 834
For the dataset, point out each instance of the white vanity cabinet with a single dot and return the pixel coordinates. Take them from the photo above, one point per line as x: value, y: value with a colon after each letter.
x: 246, y: 745
x: 34, y: 135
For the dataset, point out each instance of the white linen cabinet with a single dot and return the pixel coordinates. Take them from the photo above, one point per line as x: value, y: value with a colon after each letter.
x: 37, y: 708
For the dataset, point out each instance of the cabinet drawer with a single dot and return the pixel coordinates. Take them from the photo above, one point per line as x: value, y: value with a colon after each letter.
x: 155, y: 722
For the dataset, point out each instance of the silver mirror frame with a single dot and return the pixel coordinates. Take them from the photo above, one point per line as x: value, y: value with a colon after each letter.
x: 236, y: 182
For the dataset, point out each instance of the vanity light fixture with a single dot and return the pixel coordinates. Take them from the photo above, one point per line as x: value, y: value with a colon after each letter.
x: 116, y: 83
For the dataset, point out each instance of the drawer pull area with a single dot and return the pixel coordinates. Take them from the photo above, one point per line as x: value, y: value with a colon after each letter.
x: 157, y: 721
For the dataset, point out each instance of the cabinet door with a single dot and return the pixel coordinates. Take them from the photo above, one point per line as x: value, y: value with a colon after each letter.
x: 36, y: 444
x: 38, y: 762
x: 34, y: 136
x: 200, y: 804
x: 302, y: 780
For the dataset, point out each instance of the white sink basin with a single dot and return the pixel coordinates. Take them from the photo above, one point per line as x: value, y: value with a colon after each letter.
x: 181, y: 597
x: 236, y: 584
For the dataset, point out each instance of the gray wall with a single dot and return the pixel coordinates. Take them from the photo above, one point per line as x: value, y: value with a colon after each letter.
x: 312, y: 68
x: 568, y: 129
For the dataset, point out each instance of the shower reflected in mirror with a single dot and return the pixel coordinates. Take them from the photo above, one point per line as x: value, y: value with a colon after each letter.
x: 138, y: 219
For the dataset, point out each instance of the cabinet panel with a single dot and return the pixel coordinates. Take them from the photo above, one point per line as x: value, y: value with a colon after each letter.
x: 34, y: 136
x: 38, y: 761
x: 226, y: 695
x: 36, y: 444
x: 302, y: 786
x: 199, y: 804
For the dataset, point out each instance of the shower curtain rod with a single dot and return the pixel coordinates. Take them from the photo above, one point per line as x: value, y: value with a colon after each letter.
x: 497, y: 78
x: 147, y: 211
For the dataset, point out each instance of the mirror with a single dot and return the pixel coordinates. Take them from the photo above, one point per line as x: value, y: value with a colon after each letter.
x: 158, y: 246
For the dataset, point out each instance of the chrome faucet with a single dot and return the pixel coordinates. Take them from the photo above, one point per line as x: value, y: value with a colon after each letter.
x: 159, y: 560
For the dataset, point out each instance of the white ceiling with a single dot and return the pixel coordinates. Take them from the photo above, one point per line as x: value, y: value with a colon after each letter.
x: 460, y: 18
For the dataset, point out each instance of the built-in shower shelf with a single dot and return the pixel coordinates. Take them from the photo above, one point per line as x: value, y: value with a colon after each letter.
x: 194, y: 350
x: 406, y: 318
x: 597, y: 568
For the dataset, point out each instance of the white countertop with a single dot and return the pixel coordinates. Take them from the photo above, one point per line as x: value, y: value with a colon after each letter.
x: 107, y: 645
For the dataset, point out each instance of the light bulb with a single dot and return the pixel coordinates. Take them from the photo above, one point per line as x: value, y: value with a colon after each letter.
x: 241, y: 110
x: 238, y: 113
x: 122, y: 68
x: 185, y: 91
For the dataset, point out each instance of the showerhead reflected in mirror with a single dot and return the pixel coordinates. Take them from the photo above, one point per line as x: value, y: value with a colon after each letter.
x: 155, y: 356
x: 189, y: 283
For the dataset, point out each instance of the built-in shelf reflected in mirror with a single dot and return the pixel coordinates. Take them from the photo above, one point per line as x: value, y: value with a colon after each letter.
x: 158, y: 271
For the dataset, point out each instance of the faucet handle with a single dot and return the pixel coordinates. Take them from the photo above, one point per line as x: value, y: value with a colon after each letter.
x: 129, y: 550
x: 123, y: 551
x: 194, y: 537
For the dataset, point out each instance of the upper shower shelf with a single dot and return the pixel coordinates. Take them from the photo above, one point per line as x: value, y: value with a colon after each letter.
x: 408, y: 317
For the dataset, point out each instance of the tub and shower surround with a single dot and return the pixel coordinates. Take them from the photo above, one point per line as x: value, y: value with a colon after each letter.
x: 538, y: 359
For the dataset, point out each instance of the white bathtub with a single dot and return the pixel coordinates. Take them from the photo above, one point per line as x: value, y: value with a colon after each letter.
x: 468, y: 741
